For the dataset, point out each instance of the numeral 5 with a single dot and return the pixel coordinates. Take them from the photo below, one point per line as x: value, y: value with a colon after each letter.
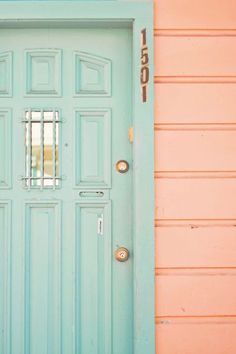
x: 144, y: 56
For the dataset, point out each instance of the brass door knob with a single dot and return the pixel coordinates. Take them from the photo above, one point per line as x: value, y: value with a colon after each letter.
x: 122, y: 166
x: 122, y: 254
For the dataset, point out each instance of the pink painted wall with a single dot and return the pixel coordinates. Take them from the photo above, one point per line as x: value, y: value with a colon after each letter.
x: 195, y: 176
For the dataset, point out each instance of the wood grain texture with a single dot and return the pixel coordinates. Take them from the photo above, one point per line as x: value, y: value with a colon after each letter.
x: 195, y: 116
x: 195, y: 14
x: 195, y: 103
x: 195, y: 56
x: 196, y: 295
x: 196, y: 150
x: 194, y: 245
x: 195, y: 198
x: 197, y: 336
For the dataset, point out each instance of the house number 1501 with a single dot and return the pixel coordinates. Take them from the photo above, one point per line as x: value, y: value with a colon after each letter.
x: 144, y: 74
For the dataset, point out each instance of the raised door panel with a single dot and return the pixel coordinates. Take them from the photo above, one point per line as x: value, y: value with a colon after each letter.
x: 5, y: 271
x: 92, y: 75
x: 5, y: 148
x: 43, y: 72
x: 93, y: 275
x: 93, y: 148
x: 6, y: 74
x: 42, y: 278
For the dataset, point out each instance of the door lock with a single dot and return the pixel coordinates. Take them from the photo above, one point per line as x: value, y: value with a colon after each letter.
x: 122, y: 254
x: 122, y: 166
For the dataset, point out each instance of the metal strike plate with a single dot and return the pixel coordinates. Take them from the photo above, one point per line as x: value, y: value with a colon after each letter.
x: 122, y: 254
x: 122, y: 166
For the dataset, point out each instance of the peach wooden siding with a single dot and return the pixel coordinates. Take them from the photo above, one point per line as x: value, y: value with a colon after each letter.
x: 208, y: 57
x: 195, y: 176
x: 203, y: 103
x: 200, y: 148
x: 196, y: 335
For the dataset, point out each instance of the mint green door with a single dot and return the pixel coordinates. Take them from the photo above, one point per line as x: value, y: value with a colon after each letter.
x: 65, y: 207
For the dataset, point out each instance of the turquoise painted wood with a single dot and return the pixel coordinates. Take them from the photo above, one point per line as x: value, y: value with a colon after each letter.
x: 62, y: 291
x: 137, y: 15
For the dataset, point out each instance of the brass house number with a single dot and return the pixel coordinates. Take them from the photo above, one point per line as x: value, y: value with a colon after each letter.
x: 144, y: 74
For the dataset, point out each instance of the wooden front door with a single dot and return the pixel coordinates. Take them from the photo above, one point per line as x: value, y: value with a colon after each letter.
x: 65, y: 204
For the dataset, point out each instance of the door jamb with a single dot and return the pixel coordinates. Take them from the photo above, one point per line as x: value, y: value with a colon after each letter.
x: 140, y: 16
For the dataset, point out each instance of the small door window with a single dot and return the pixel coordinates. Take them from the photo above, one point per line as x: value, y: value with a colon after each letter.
x: 41, y: 148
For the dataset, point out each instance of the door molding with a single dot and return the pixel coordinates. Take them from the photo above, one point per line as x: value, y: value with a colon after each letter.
x: 138, y: 15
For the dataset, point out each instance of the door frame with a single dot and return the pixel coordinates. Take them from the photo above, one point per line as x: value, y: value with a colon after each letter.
x: 139, y: 15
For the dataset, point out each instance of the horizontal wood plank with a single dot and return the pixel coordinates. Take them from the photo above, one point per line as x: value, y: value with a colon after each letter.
x: 197, y: 337
x: 196, y: 295
x: 195, y: 14
x: 201, y: 150
x: 195, y: 56
x: 196, y: 246
x: 195, y: 198
x: 195, y: 103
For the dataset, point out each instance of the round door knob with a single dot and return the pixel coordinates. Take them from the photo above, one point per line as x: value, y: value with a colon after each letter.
x: 122, y: 166
x: 122, y: 254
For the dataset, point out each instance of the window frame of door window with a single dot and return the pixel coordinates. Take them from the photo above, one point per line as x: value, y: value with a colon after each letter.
x: 139, y: 15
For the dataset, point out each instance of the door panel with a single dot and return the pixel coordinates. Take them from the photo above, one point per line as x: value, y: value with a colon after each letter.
x: 92, y: 75
x: 65, y: 99
x: 93, y: 273
x: 93, y: 148
x: 5, y: 148
x: 42, y: 277
x: 5, y: 244
x: 6, y: 74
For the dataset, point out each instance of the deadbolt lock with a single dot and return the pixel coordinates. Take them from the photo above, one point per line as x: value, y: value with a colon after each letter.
x: 122, y: 254
x: 122, y: 166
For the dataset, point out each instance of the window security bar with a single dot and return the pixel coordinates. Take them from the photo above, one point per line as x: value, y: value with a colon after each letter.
x: 41, y: 148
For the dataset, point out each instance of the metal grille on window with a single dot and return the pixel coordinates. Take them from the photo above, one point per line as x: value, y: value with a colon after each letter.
x: 41, y: 148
